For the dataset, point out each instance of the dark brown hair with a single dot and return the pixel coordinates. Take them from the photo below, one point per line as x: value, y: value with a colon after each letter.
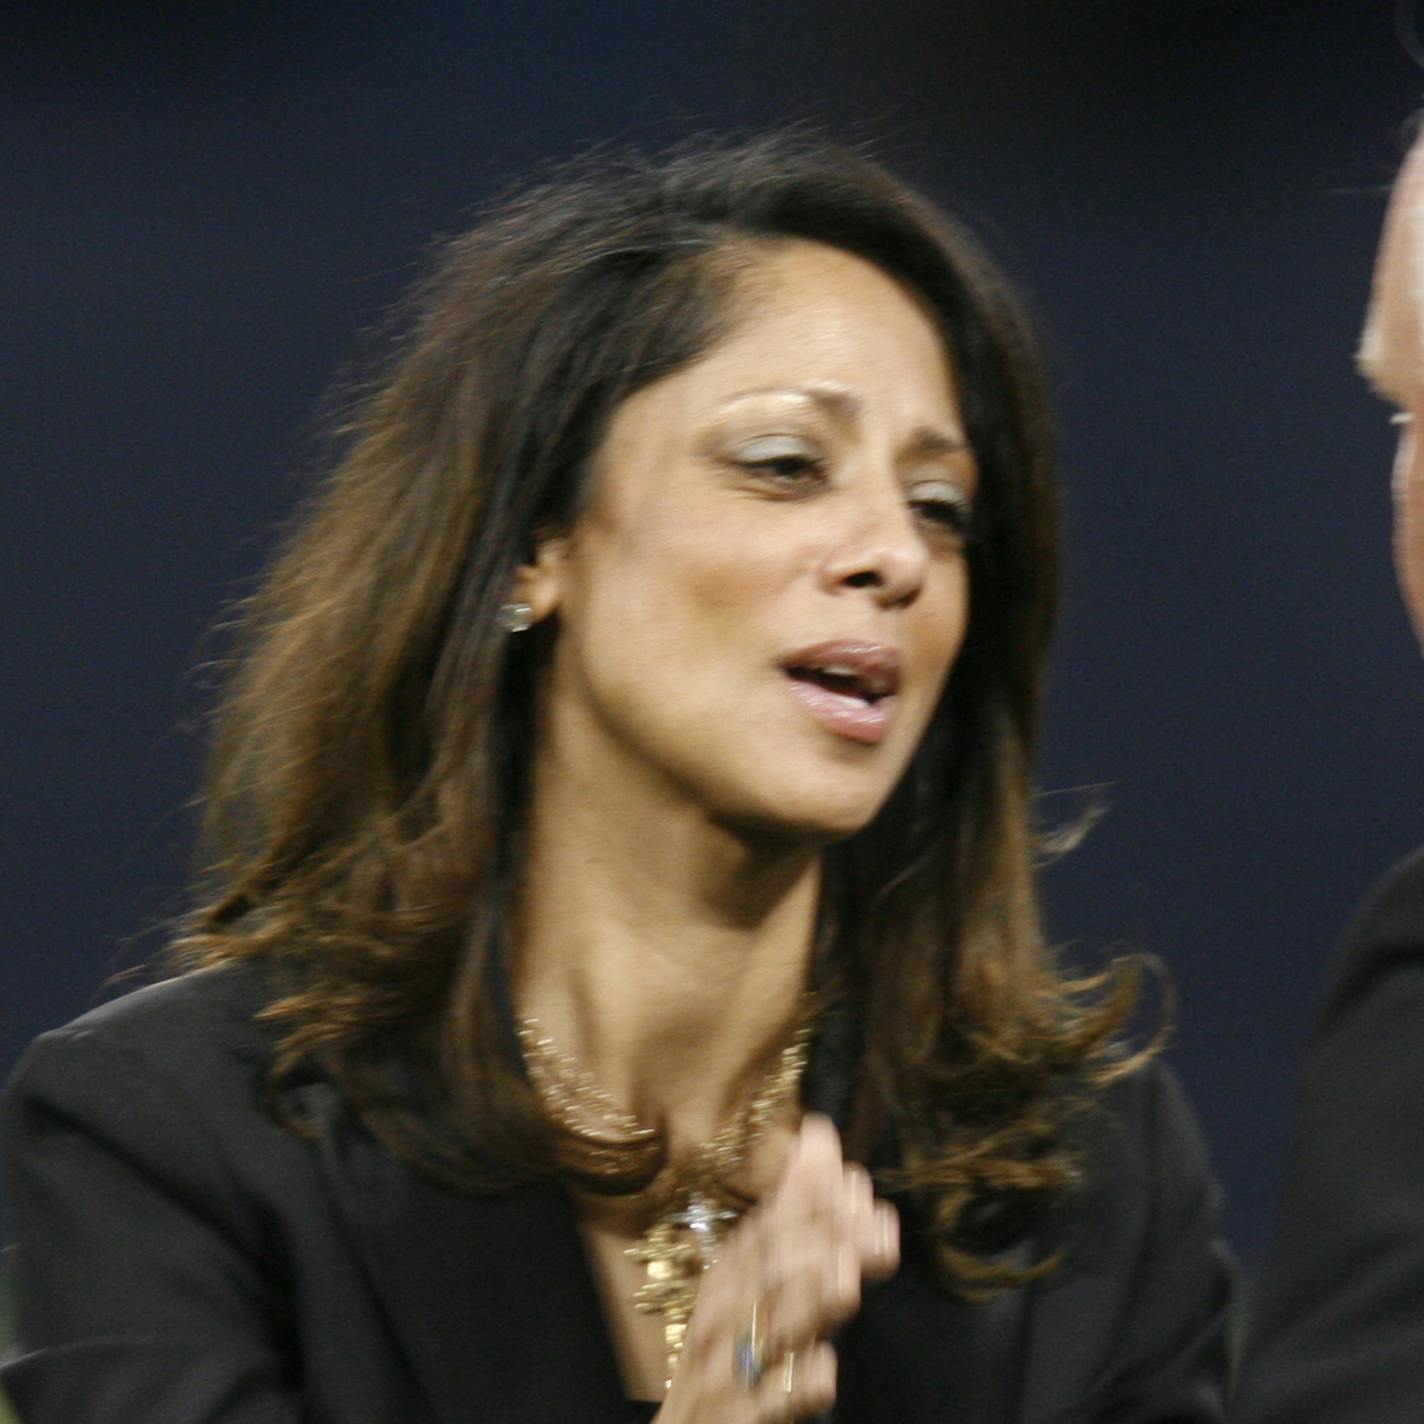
x: 365, y: 798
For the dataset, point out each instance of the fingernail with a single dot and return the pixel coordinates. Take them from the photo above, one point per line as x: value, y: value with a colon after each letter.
x: 887, y: 1232
x: 847, y: 1273
x: 856, y: 1179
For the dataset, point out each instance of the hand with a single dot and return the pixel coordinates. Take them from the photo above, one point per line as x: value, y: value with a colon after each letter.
x: 789, y: 1275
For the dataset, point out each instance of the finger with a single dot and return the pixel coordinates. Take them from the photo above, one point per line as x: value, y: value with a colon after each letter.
x: 807, y: 1219
x: 817, y: 1179
x: 843, y: 1211
x: 873, y: 1226
x: 800, y: 1256
x: 858, y: 1208
x: 819, y: 1235
x: 813, y: 1171
x: 799, y: 1386
x: 818, y: 1184
x: 883, y: 1258
x: 814, y: 1291
x: 814, y: 1273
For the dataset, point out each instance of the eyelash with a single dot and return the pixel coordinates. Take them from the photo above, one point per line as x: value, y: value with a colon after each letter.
x: 955, y: 516
x: 787, y: 469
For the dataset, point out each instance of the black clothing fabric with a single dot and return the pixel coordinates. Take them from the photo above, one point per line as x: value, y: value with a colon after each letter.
x: 1339, y: 1329
x: 184, y: 1258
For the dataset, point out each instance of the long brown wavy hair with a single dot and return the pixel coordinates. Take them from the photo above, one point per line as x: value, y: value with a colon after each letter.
x: 366, y: 794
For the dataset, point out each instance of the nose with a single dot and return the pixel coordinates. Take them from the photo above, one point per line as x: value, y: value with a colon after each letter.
x: 882, y: 549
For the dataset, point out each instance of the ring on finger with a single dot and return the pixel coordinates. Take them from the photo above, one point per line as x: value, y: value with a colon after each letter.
x: 749, y: 1348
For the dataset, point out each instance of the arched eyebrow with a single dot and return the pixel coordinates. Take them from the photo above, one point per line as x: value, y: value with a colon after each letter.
x: 844, y: 407
x: 831, y: 399
x: 927, y: 442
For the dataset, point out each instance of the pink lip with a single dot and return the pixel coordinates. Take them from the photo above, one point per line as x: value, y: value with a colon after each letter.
x: 866, y: 710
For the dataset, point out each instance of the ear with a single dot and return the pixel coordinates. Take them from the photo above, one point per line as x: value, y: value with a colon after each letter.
x: 540, y: 583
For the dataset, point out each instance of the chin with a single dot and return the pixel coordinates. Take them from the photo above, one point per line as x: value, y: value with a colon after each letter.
x: 806, y: 819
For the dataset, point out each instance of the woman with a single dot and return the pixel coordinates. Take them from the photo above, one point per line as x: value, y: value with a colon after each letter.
x: 619, y: 850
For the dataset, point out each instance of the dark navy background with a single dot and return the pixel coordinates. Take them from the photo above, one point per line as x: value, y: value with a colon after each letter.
x: 203, y: 206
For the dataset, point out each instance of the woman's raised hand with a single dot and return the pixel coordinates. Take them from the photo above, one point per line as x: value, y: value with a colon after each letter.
x: 790, y: 1274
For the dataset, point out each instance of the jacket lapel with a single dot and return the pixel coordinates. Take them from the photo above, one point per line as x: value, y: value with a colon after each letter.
x: 490, y: 1298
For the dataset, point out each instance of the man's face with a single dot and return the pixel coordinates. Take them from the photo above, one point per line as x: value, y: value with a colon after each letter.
x: 1392, y: 358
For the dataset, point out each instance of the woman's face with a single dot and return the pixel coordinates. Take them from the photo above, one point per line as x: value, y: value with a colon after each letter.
x: 767, y: 590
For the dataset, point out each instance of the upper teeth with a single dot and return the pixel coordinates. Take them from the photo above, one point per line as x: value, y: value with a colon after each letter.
x: 839, y: 670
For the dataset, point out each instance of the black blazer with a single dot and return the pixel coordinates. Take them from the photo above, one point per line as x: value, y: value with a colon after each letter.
x: 1339, y: 1334
x: 182, y: 1258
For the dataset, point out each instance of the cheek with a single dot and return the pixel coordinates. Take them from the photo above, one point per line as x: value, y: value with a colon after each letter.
x: 1407, y: 477
x: 946, y: 619
x: 674, y: 594
x: 1409, y: 520
x: 713, y: 567
x: 733, y: 584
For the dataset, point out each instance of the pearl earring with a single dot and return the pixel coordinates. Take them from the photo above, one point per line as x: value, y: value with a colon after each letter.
x: 516, y: 617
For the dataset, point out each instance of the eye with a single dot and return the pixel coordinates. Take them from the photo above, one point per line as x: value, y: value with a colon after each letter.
x: 943, y: 505
x: 783, y: 460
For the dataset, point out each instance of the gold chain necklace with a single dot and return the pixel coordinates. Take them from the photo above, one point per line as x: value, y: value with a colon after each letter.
x: 694, y: 1208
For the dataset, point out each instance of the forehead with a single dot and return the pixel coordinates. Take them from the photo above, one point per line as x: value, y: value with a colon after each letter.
x: 810, y: 328
x: 1392, y: 346
x: 804, y: 312
x: 800, y: 279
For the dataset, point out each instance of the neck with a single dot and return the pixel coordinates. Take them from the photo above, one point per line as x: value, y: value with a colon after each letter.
x: 668, y: 962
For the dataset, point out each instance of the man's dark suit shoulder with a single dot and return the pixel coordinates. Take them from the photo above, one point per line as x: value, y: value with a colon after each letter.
x: 1387, y: 930
x: 1339, y: 1329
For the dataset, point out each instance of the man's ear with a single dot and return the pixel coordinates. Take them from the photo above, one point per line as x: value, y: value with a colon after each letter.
x: 540, y: 582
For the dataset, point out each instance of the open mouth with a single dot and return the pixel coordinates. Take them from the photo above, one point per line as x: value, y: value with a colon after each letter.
x: 848, y: 687
x: 845, y: 681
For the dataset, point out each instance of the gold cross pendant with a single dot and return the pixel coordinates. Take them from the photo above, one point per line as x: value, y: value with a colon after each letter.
x: 674, y: 1251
